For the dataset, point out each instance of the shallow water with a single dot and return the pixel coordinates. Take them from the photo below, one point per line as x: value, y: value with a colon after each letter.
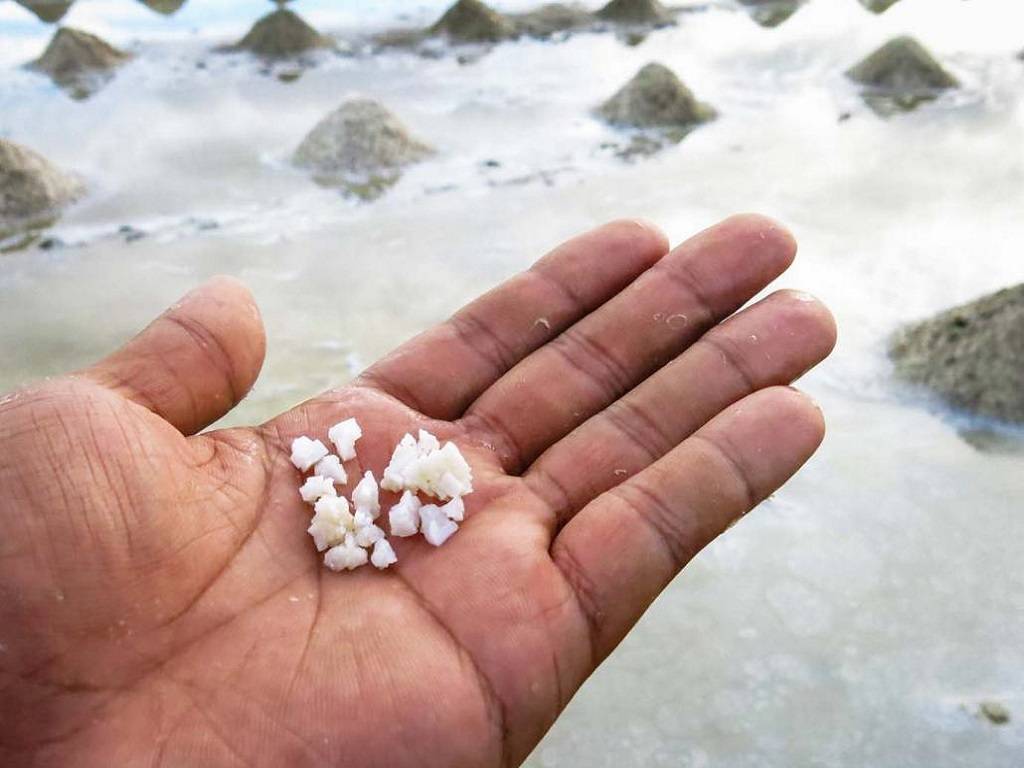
x: 859, y: 616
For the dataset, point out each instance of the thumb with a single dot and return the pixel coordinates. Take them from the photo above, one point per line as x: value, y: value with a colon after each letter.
x: 196, y: 361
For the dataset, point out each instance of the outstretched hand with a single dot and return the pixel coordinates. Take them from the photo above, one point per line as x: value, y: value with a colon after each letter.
x: 161, y: 603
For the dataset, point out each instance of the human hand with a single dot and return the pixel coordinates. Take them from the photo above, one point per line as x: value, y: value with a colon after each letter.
x: 161, y: 603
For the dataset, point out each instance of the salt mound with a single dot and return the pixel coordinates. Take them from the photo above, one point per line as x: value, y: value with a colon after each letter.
x: 361, y: 147
x: 31, y: 188
x: 551, y: 19
x: 878, y: 6
x: 972, y: 355
x: 635, y: 12
x: 901, y: 74
x: 50, y: 11
x: 655, y: 98
x: 165, y: 7
x: 771, y: 13
x: 471, y: 21
x: 78, y: 61
x: 282, y: 34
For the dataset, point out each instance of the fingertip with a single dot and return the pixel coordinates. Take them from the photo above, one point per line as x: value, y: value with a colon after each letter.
x: 638, y: 235
x: 770, y: 235
x: 814, y: 319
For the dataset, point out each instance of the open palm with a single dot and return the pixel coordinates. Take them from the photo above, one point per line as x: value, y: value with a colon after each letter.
x: 161, y: 604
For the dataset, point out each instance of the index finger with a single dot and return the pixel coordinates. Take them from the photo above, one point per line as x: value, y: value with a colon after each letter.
x: 442, y: 371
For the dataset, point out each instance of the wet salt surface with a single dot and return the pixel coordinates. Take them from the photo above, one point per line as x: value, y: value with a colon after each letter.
x: 857, y: 618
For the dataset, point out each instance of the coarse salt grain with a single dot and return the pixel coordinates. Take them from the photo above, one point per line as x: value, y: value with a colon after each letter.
x: 438, y: 532
x: 455, y: 509
x: 368, y: 534
x: 307, y: 452
x: 331, y: 522
x: 423, y: 466
x: 404, y: 455
x: 330, y: 466
x: 345, y: 557
x: 315, y: 487
x: 366, y: 496
x: 344, y: 435
x: 404, y: 517
x: 383, y: 554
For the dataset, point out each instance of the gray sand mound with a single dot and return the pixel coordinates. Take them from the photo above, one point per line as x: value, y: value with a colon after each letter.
x: 771, y: 13
x: 50, y: 11
x: 902, y: 72
x: 635, y: 12
x: 361, y: 148
x: 471, y: 21
x: 280, y: 35
x: 972, y: 356
x: 551, y: 19
x: 78, y: 61
x: 31, y: 188
x: 655, y: 98
x: 878, y: 6
x: 165, y: 7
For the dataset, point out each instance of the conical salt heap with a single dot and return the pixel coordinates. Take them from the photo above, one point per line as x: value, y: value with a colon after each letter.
x: 878, y: 6
x: 972, y: 355
x: 771, y: 13
x: 900, y: 75
x: 471, y: 21
x: 635, y: 12
x: 50, y: 11
x: 164, y: 7
x: 32, y: 189
x: 360, y: 148
x: 78, y: 61
x: 655, y: 98
x: 282, y: 34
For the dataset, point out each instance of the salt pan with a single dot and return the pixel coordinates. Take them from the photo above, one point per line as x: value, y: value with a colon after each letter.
x: 344, y: 435
x: 307, y: 452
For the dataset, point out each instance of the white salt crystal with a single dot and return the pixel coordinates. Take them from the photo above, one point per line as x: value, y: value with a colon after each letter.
x: 366, y: 496
x: 344, y: 435
x: 430, y: 513
x: 362, y: 518
x: 330, y: 466
x: 345, y: 557
x: 404, y: 455
x: 307, y: 452
x: 455, y: 509
x: 368, y: 534
x: 437, y: 532
x: 383, y: 554
x: 427, y: 443
x: 331, y: 522
x: 404, y: 516
x: 315, y: 487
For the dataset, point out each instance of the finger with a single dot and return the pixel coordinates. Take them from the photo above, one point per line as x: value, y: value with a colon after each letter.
x: 773, y: 342
x: 623, y: 548
x: 442, y: 371
x: 196, y: 361
x: 606, y: 354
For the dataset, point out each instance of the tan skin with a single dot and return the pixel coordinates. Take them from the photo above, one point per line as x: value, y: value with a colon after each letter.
x: 161, y: 604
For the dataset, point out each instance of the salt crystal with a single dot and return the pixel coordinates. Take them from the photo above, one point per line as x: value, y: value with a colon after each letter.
x: 366, y: 496
x: 427, y: 443
x: 438, y: 532
x: 330, y: 466
x: 307, y: 452
x: 383, y: 554
x: 315, y: 487
x: 368, y: 534
x: 404, y: 455
x: 404, y: 516
x: 331, y: 522
x: 455, y: 509
x: 345, y: 557
x: 344, y: 435
x: 362, y: 518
